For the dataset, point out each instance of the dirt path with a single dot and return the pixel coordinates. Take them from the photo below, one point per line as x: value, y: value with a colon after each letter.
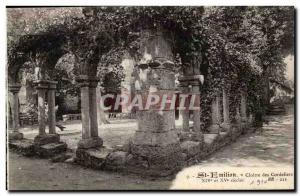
x: 272, y: 146
x: 37, y: 174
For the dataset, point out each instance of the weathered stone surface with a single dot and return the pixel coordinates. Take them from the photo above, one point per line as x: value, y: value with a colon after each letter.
x: 210, y: 138
x: 116, y: 160
x: 93, y: 157
x: 225, y: 126
x: 196, y: 136
x: 15, y: 135
x: 155, y: 139
x: 155, y: 166
x: 40, y: 140
x: 61, y: 157
x: 214, y: 128
x: 184, y: 136
x: 225, y: 138
x: 93, y: 142
x: 24, y: 146
x: 154, y: 151
x: 51, y: 149
x: 191, y: 148
x: 153, y: 121
x: 235, y: 132
x: 210, y: 143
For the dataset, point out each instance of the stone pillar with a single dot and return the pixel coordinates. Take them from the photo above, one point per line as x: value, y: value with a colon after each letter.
x: 226, y: 119
x: 93, y: 107
x: 196, y: 113
x: 215, y: 115
x: 88, y: 113
x: 41, y: 87
x: 51, y: 107
x: 42, y: 138
x: 243, y: 108
x: 15, y: 134
x: 185, y: 113
x: 194, y: 81
x: 155, y: 146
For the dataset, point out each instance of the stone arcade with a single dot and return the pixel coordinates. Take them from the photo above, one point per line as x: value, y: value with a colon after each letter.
x: 157, y: 148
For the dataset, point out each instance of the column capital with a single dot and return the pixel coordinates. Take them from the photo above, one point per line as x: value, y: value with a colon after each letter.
x: 85, y: 80
x: 52, y: 85
x: 14, y: 88
x: 41, y: 84
x: 194, y: 80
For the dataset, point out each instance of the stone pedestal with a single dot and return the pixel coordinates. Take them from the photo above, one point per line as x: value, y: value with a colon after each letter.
x: 90, y: 137
x: 215, y: 115
x: 15, y: 134
x: 226, y: 120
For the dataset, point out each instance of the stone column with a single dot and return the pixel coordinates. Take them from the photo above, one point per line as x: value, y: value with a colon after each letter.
x: 226, y: 119
x: 243, y: 108
x: 51, y: 107
x: 41, y: 87
x: 185, y: 113
x: 88, y: 108
x: 43, y: 138
x: 156, y: 140
x: 196, y: 113
x: 215, y: 115
x: 15, y: 134
x: 93, y: 106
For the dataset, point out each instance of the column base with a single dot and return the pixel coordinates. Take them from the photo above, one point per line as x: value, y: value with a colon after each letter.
x: 214, y: 128
x: 225, y: 126
x: 15, y: 135
x: 46, y: 139
x: 93, y: 142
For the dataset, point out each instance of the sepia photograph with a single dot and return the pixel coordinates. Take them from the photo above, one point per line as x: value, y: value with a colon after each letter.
x: 150, y: 98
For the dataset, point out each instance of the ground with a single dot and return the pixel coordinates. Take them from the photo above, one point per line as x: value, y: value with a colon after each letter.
x: 273, y: 145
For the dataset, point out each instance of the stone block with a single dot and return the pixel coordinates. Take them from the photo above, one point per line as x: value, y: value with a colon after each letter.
x: 210, y: 138
x: 225, y: 126
x: 24, y: 146
x: 15, y: 136
x: 92, y: 158
x: 235, y: 132
x: 93, y: 142
x: 40, y: 140
x: 116, y: 160
x: 155, y: 139
x: 214, y: 129
x: 184, y: 136
x: 210, y: 142
x: 154, y: 151
x: 154, y: 166
x: 61, y: 157
x: 51, y: 149
x: 196, y: 136
x: 191, y: 148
